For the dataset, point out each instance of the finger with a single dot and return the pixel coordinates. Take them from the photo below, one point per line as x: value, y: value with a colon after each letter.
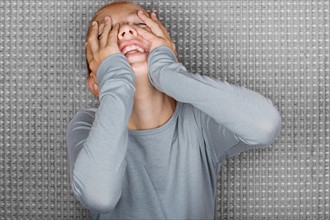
x: 155, y: 19
x: 144, y: 34
x: 101, y: 27
x: 113, y: 36
x: 151, y: 24
x: 165, y: 31
x: 92, y: 39
x: 89, y: 55
x: 106, y: 30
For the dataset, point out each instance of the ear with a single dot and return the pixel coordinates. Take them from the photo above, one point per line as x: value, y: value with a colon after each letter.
x: 92, y: 84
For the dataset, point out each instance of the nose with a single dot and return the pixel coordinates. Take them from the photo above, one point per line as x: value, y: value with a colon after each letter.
x: 126, y: 32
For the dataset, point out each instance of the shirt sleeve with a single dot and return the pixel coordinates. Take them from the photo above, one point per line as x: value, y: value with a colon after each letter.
x: 234, y: 116
x: 97, y: 146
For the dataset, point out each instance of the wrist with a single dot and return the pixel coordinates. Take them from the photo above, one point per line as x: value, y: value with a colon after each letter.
x: 153, y: 47
x: 109, y: 67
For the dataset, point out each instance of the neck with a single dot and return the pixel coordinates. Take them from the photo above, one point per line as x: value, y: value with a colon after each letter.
x: 151, y: 108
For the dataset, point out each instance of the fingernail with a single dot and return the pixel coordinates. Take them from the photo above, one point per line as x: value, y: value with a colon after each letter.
x: 106, y: 19
x: 140, y: 12
x: 86, y: 43
x: 93, y: 23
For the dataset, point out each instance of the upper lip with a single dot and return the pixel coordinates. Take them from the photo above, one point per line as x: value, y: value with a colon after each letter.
x: 131, y: 42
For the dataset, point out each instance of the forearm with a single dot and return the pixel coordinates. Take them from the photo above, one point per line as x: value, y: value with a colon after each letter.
x: 100, y: 165
x: 249, y: 115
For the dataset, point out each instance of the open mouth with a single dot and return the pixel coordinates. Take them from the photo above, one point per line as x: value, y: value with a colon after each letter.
x: 133, y: 49
x: 134, y: 54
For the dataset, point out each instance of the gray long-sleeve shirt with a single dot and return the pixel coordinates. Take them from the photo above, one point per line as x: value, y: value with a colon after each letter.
x: 168, y: 172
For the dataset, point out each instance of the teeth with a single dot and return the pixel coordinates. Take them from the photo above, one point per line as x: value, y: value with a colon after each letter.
x: 133, y: 47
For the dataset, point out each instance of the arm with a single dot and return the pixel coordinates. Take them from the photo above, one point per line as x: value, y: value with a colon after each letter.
x: 251, y: 117
x: 97, y: 147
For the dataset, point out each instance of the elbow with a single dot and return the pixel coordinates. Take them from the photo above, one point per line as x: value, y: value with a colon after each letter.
x: 269, y: 128
x: 94, y: 198
x: 97, y: 184
x: 99, y: 201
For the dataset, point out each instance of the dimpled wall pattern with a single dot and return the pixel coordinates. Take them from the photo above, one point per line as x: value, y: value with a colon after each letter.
x: 279, y: 48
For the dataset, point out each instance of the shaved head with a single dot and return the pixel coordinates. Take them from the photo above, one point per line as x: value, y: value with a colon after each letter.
x: 120, y: 12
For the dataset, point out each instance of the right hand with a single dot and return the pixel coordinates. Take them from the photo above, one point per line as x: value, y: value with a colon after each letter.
x: 98, y: 48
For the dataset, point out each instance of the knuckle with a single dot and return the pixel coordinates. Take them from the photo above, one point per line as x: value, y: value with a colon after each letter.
x: 107, y: 27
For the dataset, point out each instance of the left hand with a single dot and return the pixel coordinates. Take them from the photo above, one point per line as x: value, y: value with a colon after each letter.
x: 158, y: 35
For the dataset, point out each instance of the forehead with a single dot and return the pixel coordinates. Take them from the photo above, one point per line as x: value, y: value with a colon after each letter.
x: 119, y: 13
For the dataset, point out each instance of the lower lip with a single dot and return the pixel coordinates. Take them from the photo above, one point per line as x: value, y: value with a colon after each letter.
x: 134, y: 54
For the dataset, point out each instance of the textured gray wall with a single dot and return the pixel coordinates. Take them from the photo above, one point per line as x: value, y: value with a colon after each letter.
x: 278, y: 48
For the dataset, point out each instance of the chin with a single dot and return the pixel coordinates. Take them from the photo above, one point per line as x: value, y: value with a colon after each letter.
x: 140, y: 68
x: 139, y: 63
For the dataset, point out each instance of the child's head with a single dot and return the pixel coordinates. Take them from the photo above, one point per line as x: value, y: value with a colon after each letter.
x: 124, y: 13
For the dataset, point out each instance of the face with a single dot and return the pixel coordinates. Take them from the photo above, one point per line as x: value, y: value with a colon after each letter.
x: 133, y: 46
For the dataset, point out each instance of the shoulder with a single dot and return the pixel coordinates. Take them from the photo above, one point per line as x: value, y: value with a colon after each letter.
x: 187, y: 110
x: 190, y: 115
x: 206, y: 124
x: 82, y: 117
x: 86, y: 113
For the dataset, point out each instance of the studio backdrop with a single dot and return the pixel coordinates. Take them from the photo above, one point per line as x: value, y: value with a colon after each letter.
x: 279, y: 48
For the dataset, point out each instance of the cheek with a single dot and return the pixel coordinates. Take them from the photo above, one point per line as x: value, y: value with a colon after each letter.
x: 146, y: 42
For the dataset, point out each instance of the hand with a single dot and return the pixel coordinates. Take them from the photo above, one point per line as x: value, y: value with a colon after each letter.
x: 158, y: 35
x: 99, y: 47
